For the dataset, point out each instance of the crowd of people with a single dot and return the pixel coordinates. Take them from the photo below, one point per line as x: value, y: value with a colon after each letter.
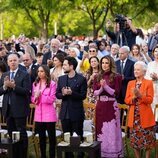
x: 105, y: 72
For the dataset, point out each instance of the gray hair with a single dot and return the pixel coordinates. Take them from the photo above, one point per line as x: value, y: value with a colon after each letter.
x: 126, y: 48
x: 142, y: 64
x: 56, y: 41
x: 76, y: 50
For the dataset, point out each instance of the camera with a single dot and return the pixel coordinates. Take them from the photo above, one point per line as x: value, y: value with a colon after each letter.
x: 121, y: 19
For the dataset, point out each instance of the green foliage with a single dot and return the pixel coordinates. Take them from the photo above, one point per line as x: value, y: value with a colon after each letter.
x: 15, y: 26
x: 73, y: 17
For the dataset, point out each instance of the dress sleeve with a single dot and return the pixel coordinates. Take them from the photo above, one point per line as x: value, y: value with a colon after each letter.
x: 118, y: 85
x: 129, y: 95
x: 96, y: 87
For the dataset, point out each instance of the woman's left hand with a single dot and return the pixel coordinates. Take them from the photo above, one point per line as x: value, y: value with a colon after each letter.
x: 154, y: 76
x: 102, y: 82
x: 137, y: 93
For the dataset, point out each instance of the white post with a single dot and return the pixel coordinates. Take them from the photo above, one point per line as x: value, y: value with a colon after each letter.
x: 55, y: 28
x: 1, y: 27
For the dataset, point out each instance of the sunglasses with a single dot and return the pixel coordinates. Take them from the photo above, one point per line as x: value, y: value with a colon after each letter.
x: 92, y: 50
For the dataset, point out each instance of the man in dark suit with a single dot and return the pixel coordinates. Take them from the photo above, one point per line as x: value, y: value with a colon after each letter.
x: 54, y: 49
x: 15, y: 85
x: 125, y: 67
x: 30, y: 66
x: 72, y: 89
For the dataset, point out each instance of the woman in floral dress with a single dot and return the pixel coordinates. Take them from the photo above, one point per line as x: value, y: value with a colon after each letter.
x: 91, y: 73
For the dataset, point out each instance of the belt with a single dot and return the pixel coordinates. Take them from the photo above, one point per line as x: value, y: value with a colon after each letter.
x: 106, y: 98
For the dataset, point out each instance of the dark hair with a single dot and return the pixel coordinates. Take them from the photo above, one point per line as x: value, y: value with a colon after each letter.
x: 17, y: 54
x: 60, y: 57
x: 136, y: 45
x: 3, y: 67
x: 90, y: 69
x: 140, y: 33
x: 48, y: 77
x: 39, y: 54
x: 154, y: 50
x: 102, y: 42
x: 79, y: 47
x: 112, y: 68
x: 71, y: 61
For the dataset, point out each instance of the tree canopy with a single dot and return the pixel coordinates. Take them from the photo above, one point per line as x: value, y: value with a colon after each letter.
x: 72, y: 17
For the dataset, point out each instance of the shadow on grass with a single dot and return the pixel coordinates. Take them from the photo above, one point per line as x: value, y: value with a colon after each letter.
x: 131, y: 153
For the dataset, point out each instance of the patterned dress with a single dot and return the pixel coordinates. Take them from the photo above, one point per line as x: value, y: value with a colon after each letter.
x: 90, y: 92
x: 141, y: 138
x: 108, y: 129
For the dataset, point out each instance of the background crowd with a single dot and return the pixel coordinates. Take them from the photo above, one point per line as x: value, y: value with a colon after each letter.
x: 121, y: 67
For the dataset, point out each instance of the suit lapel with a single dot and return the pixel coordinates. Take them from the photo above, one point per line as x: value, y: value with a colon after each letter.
x: 119, y: 67
x: 126, y: 66
x: 8, y: 74
x: 50, y: 55
x: 17, y: 75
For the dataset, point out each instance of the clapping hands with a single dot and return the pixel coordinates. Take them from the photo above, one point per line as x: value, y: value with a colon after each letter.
x: 154, y: 76
x: 66, y: 91
x: 8, y: 83
x: 37, y: 95
x: 103, y: 82
x: 136, y: 93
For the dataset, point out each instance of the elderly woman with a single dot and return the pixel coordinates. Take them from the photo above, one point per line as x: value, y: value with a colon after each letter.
x: 139, y: 97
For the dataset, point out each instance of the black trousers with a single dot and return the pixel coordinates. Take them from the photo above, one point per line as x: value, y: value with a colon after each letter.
x: 19, y: 124
x: 41, y: 128
x: 73, y: 126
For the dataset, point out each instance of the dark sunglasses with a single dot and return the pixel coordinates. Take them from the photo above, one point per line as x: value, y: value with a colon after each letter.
x: 92, y: 50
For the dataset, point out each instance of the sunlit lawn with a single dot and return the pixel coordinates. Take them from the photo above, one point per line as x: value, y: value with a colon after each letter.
x: 131, y: 154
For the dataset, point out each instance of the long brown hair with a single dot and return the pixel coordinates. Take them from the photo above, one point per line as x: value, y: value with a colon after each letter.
x: 138, y: 47
x: 112, y: 68
x: 91, y: 69
x: 48, y: 77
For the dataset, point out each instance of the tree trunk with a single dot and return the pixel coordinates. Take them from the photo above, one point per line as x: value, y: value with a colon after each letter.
x: 95, y: 31
x: 95, y: 34
x: 44, y: 31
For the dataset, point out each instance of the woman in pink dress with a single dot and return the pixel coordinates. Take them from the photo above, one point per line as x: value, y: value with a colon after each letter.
x: 43, y: 96
x: 107, y: 86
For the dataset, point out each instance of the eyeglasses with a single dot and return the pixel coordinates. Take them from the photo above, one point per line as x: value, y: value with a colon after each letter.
x: 92, y: 51
x: 25, y: 60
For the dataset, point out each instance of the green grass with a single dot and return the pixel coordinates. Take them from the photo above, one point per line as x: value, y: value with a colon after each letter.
x: 131, y: 153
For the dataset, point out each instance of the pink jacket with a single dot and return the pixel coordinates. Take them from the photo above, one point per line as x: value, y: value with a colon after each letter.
x: 45, y: 111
